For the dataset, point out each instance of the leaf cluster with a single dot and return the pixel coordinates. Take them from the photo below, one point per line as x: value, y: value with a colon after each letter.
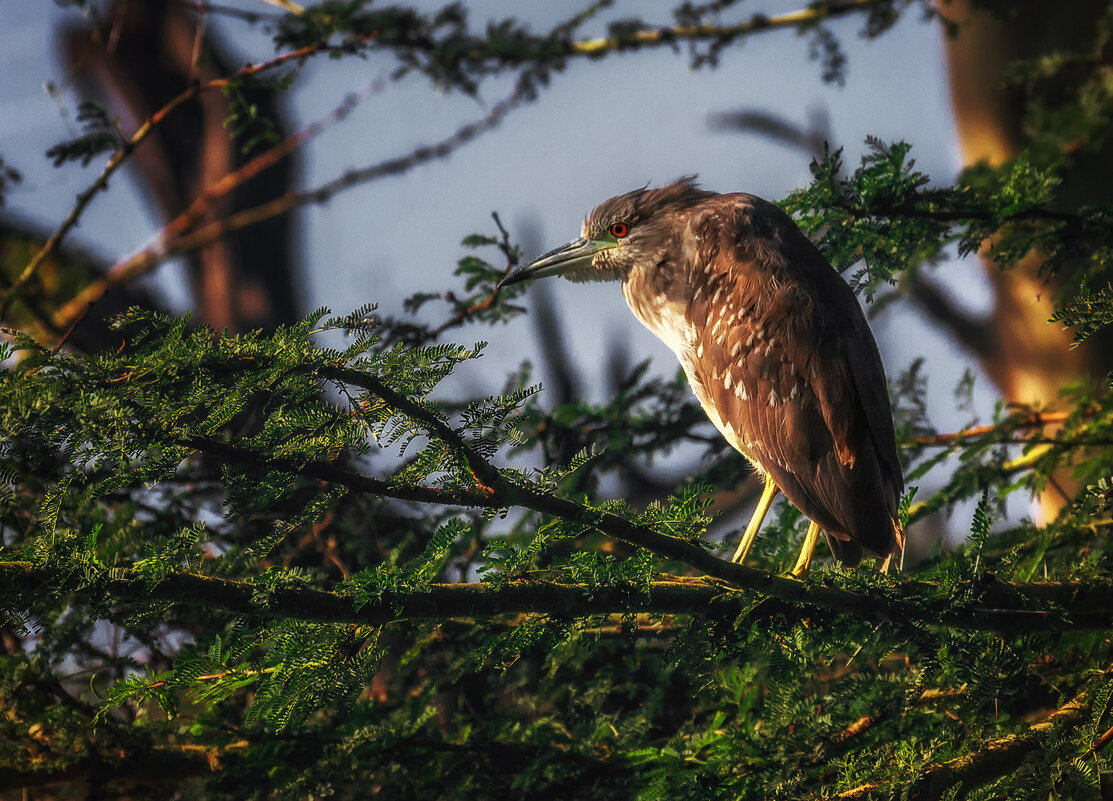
x: 247, y: 121
x: 99, y: 136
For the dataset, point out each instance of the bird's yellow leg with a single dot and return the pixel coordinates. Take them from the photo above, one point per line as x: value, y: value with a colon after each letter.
x: 804, y: 561
x: 763, y: 504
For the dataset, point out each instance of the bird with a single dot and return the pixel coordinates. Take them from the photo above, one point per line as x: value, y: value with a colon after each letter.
x: 774, y: 344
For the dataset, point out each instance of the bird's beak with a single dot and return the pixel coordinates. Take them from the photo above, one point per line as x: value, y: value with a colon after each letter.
x: 568, y: 258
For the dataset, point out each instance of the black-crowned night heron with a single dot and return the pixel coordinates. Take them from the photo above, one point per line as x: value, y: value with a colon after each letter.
x: 773, y: 342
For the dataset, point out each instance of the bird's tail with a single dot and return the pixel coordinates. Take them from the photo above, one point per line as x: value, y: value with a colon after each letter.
x: 847, y: 552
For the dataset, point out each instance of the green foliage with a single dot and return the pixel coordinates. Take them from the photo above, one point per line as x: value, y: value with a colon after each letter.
x: 887, y: 214
x: 1087, y: 313
x: 317, y: 562
x: 100, y: 136
x: 480, y: 280
x: 246, y: 122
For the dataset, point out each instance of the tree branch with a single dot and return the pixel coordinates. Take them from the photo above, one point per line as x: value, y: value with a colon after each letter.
x: 434, y: 602
x: 467, y: 313
x: 357, y: 482
x: 1034, y: 420
x: 128, y: 147
x: 815, y: 13
x: 150, y: 257
x: 960, y: 214
x: 996, y: 758
x: 1092, y: 609
x: 993, y: 605
x: 74, y: 311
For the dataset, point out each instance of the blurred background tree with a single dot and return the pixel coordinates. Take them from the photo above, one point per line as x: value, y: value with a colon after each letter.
x: 262, y: 552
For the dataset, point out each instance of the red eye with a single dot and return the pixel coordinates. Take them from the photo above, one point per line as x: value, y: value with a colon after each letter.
x: 619, y: 230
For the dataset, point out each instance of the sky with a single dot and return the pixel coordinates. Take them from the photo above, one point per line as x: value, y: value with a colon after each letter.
x: 601, y: 128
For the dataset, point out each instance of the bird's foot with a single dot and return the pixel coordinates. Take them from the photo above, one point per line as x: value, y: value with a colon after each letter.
x: 801, y: 568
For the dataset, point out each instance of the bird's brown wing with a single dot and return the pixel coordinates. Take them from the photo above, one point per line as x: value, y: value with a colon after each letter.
x: 869, y: 382
x: 759, y: 389
x: 775, y: 354
x: 857, y: 351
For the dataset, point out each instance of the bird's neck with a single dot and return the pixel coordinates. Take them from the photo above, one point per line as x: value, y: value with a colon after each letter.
x: 659, y: 297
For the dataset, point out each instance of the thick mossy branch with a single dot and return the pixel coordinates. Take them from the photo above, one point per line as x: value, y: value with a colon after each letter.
x: 434, y: 602
x: 1033, y: 608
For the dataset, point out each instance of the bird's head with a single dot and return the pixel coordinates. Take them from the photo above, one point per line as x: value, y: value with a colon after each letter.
x: 619, y: 234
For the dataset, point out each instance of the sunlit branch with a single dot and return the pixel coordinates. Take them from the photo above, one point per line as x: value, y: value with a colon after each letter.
x: 77, y: 307
x: 1036, y: 420
x: 145, y: 130
x: 129, y: 269
x: 702, y: 598
x: 992, y: 761
x: 817, y: 12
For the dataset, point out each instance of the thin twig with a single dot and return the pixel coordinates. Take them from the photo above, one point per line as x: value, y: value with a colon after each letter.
x: 251, y: 17
x: 721, y: 33
x: 145, y: 130
x: 202, y: 205
x: 1036, y: 420
x: 1033, y: 214
x: 463, y: 315
x: 993, y: 760
x: 198, y: 43
x: 148, y: 258
x: 591, y: 47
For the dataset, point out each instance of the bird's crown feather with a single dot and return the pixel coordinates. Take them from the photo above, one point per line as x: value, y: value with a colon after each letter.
x: 641, y: 204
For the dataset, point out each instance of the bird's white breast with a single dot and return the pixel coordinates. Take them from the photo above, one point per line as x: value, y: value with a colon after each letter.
x: 668, y: 319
